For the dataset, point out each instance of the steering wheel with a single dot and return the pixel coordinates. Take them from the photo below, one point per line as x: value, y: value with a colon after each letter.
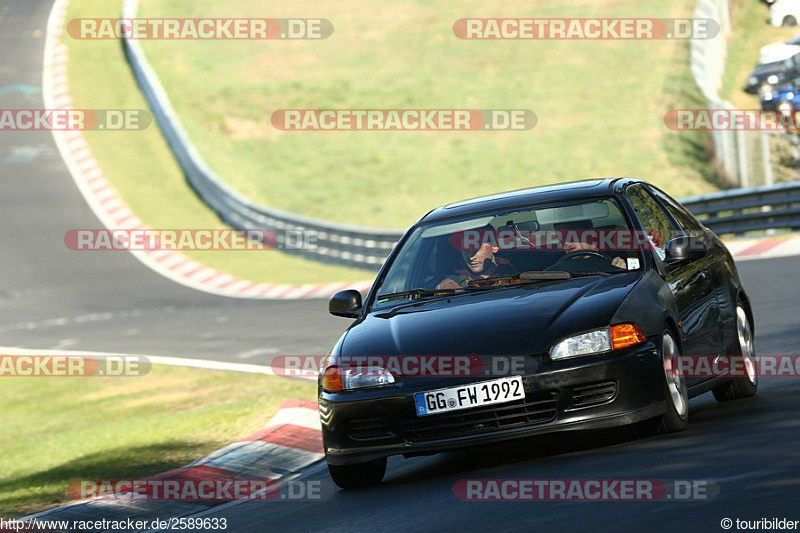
x: 571, y: 256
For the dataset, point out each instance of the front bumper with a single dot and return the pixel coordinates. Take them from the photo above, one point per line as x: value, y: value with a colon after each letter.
x: 583, y: 393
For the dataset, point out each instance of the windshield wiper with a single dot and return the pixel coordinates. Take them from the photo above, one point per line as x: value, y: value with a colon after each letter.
x: 517, y: 279
x: 593, y: 273
x: 545, y: 274
x: 414, y: 294
x: 532, y: 275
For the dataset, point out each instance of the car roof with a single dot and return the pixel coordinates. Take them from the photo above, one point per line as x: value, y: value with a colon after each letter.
x: 545, y: 193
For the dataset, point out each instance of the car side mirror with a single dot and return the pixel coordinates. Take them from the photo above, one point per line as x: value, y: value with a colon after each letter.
x: 345, y: 303
x: 682, y: 250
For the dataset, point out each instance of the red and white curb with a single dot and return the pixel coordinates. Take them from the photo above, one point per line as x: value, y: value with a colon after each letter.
x: 764, y: 248
x: 290, y: 442
x: 115, y: 214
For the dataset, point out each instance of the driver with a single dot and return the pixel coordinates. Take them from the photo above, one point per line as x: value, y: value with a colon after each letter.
x: 480, y: 264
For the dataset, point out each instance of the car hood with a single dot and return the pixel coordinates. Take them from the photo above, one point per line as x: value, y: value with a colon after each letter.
x: 520, y: 320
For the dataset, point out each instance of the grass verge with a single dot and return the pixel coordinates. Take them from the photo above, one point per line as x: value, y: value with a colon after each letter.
x: 142, y: 169
x: 60, y: 429
x: 600, y: 104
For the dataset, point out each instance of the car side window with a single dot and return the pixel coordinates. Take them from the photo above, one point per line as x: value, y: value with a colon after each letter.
x: 655, y: 221
x: 682, y: 216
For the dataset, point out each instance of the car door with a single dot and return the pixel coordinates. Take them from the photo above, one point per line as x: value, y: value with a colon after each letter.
x: 714, y: 264
x: 691, y: 284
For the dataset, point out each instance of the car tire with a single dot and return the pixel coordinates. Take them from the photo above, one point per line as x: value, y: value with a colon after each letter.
x: 744, y: 386
x: 358, y: 475
x: 789, y: 20
x: 675, y: 392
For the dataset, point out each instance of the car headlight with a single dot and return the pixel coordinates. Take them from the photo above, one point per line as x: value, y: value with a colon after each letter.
x: 752, y: 80
x: 337, y: 379
x: 766, y: 96
x: 598, y: 341
x: 773, y: 79
x: 790, y: 96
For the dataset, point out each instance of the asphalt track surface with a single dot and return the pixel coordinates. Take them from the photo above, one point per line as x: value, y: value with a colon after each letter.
x: 53, y: 298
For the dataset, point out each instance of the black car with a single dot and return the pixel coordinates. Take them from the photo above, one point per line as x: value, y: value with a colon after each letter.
x: 769, y: 75
x: 584, y: 332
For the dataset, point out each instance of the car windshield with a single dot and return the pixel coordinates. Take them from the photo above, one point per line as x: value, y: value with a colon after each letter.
x: 521, y: 246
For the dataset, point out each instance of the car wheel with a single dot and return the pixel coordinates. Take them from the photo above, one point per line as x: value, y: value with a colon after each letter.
x: 358, y: 475
x: 744, y: 386
x: 677, y: 397
x: 789, y: 20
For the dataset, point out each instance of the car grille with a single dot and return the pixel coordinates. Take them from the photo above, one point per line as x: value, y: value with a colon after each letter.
x: 596, y: 394
x: 534, y: 409
x: 369, y: 429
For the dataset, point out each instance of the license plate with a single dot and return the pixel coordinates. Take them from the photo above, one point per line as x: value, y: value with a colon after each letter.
x: 501, y: 390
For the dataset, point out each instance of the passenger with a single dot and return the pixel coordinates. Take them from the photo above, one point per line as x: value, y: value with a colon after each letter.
x: 480, y: 264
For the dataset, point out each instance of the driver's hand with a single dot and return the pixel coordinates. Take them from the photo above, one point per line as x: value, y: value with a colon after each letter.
x: 619, y: 262
x: 577, y: 246
x: 448, y: 283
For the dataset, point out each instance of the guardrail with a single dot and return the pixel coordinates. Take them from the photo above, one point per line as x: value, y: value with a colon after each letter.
x: 334, y: 243
x: 755, y: 209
